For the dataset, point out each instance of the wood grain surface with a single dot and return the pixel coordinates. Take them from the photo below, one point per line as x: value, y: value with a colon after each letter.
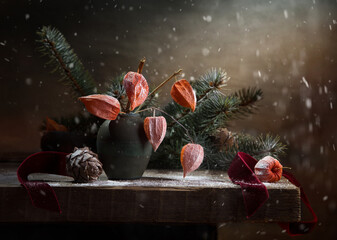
x: 159, y: 196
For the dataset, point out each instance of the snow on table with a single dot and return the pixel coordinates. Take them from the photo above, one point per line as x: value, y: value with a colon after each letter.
x: 159, y: 196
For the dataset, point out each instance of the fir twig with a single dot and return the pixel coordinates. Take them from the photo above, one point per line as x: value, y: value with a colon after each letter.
x: 115, y: 87
x: 213, y: 80
x: 248, y: 98
x: 214, y: 111
x: 63, y: 59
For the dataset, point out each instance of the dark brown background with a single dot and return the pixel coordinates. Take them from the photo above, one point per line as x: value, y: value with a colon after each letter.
x: 287, y: 48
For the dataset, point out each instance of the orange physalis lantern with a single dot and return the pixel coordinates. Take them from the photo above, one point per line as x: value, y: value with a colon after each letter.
x: 155, y: 130
x: 183, y: 94
x: 191, y: 157
x: 268, y: 169
x: 136, y: 88
x: 102, y: 106
x: 51, y: 125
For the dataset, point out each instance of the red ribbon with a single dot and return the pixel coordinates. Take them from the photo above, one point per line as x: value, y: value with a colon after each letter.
x: 255, y: 193
x: 41, y: 194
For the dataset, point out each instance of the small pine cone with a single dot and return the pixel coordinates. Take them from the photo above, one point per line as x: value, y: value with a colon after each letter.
x: 224, y: 138
x: 83, y: 165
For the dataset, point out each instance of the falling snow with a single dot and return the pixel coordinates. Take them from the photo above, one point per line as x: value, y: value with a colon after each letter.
x: 285, y: 13
x: 293, y: 70
x: 28, y: 81
x: 43, y: 193
x: 308, y: 103
x: 77, y: 120
x: 305, y: 82
x: 205, y: 52
x: 207, y: 18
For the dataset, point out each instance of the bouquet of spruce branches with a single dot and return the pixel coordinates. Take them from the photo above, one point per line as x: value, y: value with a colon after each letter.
x: 208, y: 125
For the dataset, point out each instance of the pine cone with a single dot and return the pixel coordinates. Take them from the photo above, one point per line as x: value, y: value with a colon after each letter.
x: 83, y: 165
x: 224, y: 138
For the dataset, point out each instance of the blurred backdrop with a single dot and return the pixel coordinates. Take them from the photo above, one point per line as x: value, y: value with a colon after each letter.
x: 286, y: 48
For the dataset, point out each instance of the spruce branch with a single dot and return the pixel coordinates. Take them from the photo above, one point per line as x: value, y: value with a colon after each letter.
x: 213, y: 80
x: 257, y: 147
x: 115, y: 87
x: 214, y: 111
x: 248, y: 98
x: 63, y: 59
x: 270, y: 145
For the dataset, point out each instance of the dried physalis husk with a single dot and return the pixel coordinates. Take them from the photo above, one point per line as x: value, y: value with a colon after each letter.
x: 51, y: 125
x: 136, y: 88
x: 268, y: 169
x: 191, y: 157
x: 155, y: 130
x: 183, y: 94
x: 102, y: 106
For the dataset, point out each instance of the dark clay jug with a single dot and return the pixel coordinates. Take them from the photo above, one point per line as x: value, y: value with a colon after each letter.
x: 123, y: 148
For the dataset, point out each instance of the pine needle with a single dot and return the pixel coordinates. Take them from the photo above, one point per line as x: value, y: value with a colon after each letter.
x: 214, y: 111
x: 63, y: 60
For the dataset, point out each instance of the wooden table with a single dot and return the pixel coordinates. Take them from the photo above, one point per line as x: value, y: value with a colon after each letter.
x: 204, y: 197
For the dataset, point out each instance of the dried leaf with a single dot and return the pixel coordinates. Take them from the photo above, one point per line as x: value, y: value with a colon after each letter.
x: 102, y: 106
x: 183, y: 94
x: 155, y: 130
x: 136, y: 88
x: 51, y: 125
x: 268, y: 169
x: 191, y: 157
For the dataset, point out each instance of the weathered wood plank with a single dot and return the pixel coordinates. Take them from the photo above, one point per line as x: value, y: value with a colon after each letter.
x: 160, y: 196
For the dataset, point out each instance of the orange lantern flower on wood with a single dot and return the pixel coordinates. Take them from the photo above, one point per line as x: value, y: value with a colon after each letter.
x: 102, y: 106
x: 191, y: 157
x: 155, y: 130
x: 268, y: 169
x: 183, y: 94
